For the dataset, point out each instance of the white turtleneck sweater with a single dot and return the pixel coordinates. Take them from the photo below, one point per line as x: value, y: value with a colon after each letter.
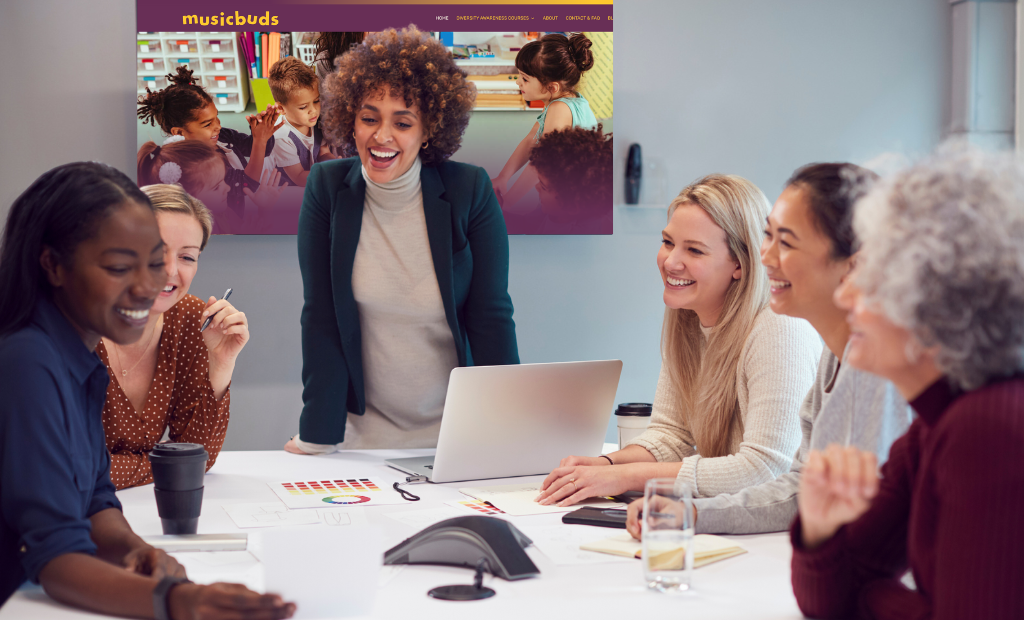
x: 408, y: 348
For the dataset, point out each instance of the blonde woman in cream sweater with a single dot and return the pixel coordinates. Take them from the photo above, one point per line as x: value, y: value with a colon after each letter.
x: 733, y: 375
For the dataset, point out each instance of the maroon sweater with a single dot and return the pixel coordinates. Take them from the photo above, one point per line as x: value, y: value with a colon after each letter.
x: 950, y: 507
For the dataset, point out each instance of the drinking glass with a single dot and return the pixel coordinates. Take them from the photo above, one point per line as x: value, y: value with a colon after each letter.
x: 667, y: 534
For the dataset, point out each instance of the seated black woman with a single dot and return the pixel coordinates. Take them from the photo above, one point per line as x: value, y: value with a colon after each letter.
x: 81, y: 259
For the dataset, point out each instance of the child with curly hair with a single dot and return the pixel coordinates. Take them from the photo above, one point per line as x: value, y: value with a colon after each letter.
x: 185, y: 109
x: 550, y: 68
x: 574, y: 180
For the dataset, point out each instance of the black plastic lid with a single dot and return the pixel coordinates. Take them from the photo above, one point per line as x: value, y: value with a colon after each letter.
x: 637, y: 409
x: 178, y: 450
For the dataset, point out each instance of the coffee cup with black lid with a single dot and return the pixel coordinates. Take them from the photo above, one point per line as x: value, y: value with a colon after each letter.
x: 632, y: 419
x: 178, y: 470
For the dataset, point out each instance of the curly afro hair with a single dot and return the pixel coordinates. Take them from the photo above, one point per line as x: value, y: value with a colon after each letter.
x: 176, y: 105
x: 577, y: 163
x: 405, y: 63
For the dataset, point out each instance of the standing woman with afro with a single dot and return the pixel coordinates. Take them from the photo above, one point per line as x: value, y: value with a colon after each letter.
x: 403, y: 253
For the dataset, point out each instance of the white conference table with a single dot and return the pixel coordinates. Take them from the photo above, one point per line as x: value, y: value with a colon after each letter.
x: 753, y: 585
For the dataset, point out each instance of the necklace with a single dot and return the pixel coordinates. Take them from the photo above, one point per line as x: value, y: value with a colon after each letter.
x: 124, y: 372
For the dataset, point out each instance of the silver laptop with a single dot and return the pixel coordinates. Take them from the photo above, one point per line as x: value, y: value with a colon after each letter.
x: 519, y: 420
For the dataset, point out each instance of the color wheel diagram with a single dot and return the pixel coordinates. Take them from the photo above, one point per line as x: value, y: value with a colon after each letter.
x: 345, y: 500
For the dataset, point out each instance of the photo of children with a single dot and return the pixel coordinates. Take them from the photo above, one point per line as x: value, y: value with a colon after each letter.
x: 185, y: 112
x: 256, y: 101
x: 549, y: 70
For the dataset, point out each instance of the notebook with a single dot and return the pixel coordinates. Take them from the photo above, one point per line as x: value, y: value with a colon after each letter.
x: 707, y: 549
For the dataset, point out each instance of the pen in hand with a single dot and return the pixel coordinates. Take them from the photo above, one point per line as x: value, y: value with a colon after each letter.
x: 206, y: 323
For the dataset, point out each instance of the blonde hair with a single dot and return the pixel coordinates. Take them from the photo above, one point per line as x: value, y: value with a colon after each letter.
x: 705, y: 375
x: 174, y: 199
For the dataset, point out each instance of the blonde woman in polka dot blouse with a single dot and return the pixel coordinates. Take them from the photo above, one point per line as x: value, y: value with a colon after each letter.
x: 174, y: 378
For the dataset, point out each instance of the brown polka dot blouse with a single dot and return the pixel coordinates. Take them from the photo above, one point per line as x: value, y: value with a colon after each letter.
x: 180, y: 397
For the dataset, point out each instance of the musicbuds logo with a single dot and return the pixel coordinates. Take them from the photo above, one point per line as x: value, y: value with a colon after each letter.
x: 229, y: 19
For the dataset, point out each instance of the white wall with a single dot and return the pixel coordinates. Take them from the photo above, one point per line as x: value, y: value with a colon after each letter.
x: 742, y: 86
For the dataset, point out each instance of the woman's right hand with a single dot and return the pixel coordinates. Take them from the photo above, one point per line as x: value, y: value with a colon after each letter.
x: 635, y: 510
x: 292, y: 447
x: 190, y: 601
x: 836, y: 488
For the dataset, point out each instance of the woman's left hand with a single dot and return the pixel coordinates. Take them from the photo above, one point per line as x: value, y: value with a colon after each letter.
x: 566, y: 486
x: 227, y: 333
x: 152, y: 562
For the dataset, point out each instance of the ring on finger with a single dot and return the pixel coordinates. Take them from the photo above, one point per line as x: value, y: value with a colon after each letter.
x: 574, y: 489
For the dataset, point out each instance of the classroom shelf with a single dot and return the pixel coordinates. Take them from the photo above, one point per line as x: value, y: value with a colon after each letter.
x: 213, y: 57
x: 485, y: 62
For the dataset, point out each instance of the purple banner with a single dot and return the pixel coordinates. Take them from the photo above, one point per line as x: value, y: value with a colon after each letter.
x: 277, y: 16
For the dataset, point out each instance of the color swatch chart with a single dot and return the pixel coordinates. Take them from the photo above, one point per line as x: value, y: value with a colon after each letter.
x: 333, y: 492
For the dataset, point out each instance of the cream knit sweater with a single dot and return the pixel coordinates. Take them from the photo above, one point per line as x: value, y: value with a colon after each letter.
x: 777, y: 367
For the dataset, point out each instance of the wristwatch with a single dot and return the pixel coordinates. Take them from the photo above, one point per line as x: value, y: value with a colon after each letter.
x: 160, y: 609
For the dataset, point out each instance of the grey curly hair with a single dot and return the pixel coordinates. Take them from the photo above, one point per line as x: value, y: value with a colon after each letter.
x: 943, y: 256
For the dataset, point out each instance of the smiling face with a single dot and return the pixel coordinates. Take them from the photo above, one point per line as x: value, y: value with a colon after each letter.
x: 798, y: 258
x: 303, y: 108
x: 182, y: 237
x: 205, y: 127
x: 877, y: 345
x: 389, y: 136
x: 214, y: 191
x: 112, y: 280
x: 696, y: 265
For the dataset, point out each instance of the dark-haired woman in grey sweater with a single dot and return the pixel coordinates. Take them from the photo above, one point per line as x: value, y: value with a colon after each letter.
x: 808, y: 249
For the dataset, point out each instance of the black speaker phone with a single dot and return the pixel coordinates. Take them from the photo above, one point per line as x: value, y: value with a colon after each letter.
x: 463, y: 541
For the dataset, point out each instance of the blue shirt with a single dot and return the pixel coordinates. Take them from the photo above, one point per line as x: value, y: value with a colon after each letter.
x: 54, y: 465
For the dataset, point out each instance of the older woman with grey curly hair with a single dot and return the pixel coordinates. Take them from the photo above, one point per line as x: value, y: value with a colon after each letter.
x: 936, y: 307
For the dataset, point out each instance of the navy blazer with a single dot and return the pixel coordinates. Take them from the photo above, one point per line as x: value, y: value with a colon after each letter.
x: 469, y: 247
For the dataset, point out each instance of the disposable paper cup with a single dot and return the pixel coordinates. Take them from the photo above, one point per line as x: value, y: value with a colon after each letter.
x: 632, y: 419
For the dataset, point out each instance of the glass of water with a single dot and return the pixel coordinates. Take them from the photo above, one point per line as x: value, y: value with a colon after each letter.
x: 667, y: 534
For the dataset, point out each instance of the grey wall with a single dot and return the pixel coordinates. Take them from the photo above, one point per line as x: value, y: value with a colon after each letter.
x: 742, y: 86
